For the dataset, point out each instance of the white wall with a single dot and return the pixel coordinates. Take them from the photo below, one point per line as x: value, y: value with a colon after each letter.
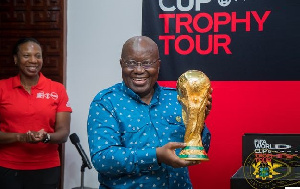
x: 97, y: 30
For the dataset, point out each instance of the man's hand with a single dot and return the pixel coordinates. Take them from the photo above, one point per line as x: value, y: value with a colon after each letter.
x: 209, y: 103
x: 166, y: 154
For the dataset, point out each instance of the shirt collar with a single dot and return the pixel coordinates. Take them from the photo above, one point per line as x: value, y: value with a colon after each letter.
x: 133, y: 95
x: 17, y: 81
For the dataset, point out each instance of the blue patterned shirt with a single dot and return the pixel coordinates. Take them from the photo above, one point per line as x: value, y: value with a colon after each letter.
x: 124, y: 132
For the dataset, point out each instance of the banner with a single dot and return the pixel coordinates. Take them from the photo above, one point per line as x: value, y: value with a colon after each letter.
x: 229, y: 40
x: 250, y: 50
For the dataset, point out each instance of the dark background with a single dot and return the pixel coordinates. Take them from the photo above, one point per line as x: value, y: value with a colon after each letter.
x: 269, y: 55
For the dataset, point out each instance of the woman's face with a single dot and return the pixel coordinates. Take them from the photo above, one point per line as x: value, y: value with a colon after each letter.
x: 29, y: 59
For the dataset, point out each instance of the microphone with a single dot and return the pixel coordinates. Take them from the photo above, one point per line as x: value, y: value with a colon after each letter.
x: 85, y: 160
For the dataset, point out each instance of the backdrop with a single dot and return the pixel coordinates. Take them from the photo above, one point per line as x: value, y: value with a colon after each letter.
x: 250, y: 51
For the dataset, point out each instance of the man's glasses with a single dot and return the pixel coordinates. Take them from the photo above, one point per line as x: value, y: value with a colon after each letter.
x: 146, y: 64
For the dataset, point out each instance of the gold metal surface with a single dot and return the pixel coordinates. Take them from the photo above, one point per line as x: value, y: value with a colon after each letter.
x: 193, y: 88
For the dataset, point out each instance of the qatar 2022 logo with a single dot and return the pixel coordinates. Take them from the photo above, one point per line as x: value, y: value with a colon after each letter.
x: 272, y: 166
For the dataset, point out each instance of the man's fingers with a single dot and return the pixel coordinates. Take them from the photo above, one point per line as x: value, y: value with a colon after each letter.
x: 175, y: 145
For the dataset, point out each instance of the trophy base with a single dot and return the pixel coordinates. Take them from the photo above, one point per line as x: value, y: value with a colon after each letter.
x: 194, y: 157
x: 193, y: 153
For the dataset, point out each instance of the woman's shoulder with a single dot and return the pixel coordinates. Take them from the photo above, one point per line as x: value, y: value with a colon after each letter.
x: 7, y: 81
x: 48, y: 81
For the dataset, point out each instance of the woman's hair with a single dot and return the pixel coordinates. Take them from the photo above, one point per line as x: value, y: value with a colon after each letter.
x: 22, y: 41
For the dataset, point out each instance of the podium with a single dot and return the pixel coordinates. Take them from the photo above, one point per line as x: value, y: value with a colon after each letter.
x: 240, y: 180
x: 269, y: 161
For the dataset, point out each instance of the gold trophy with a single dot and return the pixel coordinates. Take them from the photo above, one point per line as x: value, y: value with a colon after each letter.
x: 193, y: 88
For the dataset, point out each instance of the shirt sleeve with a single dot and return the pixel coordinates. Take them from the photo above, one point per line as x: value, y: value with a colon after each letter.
x: 63, y: 104
x: 206, y: 137
x: 108, y: 153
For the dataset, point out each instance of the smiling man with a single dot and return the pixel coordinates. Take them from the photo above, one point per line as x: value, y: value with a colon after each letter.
x: 135, y: 128
x: 140, y: 78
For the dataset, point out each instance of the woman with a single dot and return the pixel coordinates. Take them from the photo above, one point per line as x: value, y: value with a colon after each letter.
x: 34, y: 119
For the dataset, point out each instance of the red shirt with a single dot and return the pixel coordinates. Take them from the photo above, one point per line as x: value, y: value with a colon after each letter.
x: 21, y: 112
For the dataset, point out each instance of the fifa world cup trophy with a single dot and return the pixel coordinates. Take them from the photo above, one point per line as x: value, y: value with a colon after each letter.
x: 193, y: 88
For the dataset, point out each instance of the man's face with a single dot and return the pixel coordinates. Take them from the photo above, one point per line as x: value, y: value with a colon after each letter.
x: 142, y: 77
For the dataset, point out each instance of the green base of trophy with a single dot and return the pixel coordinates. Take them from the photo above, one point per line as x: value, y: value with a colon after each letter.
x: 193, y: 153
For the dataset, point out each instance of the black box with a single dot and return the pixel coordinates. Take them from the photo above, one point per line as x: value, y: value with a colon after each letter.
x: 268, y: 161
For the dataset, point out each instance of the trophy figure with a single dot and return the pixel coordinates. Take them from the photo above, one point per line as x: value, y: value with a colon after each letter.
x: 193, y: 88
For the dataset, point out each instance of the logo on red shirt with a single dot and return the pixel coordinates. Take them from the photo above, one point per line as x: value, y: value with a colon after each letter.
x: 44, y: 95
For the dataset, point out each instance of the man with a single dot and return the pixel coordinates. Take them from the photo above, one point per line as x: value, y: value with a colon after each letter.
x: 133, y: 127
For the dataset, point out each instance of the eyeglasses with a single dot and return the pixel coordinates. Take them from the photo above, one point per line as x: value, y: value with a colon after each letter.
x: 146, y: 64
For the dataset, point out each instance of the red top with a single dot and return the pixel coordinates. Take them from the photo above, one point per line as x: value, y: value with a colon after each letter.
x: 21, y: 112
